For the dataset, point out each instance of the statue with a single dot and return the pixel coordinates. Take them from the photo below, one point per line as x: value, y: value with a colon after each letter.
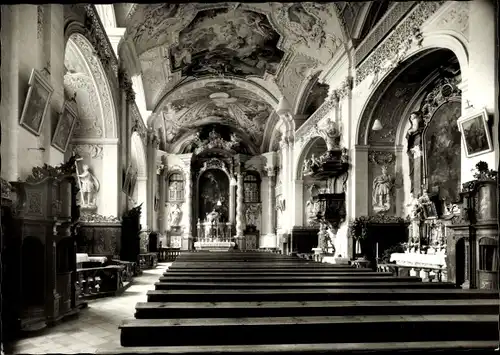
x: 213, y: 217
x: 414, y: 138
x: 175, y: 215
x: 381, y: 195
x: 415, y: 217
x: 307, y: 166
x: 310, y: 212
x: 89, y: 186
x: 250, y: 217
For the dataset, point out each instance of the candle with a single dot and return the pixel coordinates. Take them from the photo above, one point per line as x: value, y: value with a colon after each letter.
x: 376, y: 249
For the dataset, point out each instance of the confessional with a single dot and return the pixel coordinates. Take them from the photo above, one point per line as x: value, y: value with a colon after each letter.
x: 472, y: 248
x: 40, y: 249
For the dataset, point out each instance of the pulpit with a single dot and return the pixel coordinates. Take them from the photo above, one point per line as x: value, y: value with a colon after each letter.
x: 329, y: 203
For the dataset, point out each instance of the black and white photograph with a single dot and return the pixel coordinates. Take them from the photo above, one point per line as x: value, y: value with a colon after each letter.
x: 250, y: 177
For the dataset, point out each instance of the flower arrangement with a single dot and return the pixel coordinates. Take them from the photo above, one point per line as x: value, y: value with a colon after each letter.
x: 481, y: 172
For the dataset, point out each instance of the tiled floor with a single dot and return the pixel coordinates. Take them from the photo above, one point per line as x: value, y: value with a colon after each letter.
x: 97, y: 325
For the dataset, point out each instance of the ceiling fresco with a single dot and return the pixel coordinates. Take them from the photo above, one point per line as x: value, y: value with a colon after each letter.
x: 271, y: 45
x: 227, y: 41
x: 217, y: 102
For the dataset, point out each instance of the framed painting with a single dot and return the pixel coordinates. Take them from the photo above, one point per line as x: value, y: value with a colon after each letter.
x: 475, y: 133
x: 36, y: 103
x: 64, y: 128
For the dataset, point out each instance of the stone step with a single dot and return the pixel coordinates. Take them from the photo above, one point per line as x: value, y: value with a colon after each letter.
x: 267, y: 269
x: 319, y: 294
x: 291, y: 330
x: 272, y: 273
x: 156, y: 310
x: 272, y: 285
x: 345, y: 348
x: 287, y: 279
x: 259, y: 265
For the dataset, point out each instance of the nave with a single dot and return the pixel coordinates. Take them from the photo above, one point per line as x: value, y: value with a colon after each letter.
x: 246, y: 302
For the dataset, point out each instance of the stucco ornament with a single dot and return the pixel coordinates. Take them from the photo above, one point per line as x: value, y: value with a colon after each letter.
x: 393, y: 48
x: 102, y: 84
x: 331, y: 131
x: 99, y: 39
x: 304, y: 30
x: 94, y: 151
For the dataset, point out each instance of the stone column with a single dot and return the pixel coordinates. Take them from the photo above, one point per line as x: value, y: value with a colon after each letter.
x: 361, y: 201
x: 152, y: 147
x: 162, y: 219
x: 271, y: 235
x: 187, y: 236
x: 299, y: 203
x: 232, y: 201
x: 239, y: 211
x: 142, y: 191
x: 10, y: 108
x: 110, y: 178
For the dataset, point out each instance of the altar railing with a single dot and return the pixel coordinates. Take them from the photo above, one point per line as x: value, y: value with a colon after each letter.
x: 213, y: 232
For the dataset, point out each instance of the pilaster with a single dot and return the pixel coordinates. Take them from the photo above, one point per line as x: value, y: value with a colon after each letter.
x: 9, y: 109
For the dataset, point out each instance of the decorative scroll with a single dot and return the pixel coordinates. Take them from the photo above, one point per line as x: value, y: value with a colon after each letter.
x: 215, y: 140
x: 38, y: 174
x: 383, y: 158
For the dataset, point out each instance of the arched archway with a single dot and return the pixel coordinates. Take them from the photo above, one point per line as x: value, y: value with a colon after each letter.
x: 95, y: 134
x: 138, y: 162
x: 419, y: 86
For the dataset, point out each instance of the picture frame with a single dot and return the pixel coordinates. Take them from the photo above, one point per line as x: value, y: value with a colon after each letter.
x: 64, y: 128
x: 36, y: 103
x: 476, y: 135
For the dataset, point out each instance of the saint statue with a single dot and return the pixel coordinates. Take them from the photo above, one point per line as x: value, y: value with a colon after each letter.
x: 250, y: 217
x: 414, y: 138
x: 175, y: 215
x: 89, y: 186
x: 381, y: 195
x: 310, y: 212
x: 213, y: 217
x: 415, y: 216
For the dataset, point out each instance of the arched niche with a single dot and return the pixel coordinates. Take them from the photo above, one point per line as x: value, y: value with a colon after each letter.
x: 138, y: 164
x: 94, y: 136
x: 310, y: 186
x: 313, y: 96
x: 85, y: 76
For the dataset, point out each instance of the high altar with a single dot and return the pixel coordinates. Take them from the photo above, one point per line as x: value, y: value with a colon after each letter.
x: 211, y: 193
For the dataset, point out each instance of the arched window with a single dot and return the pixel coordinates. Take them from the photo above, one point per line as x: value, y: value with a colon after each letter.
x: 251, y: 188
x: 176, y: 187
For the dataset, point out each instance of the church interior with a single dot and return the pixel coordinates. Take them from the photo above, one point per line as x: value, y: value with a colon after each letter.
x: 249, y: 177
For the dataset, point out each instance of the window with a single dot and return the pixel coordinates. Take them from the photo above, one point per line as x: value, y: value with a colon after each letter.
x: 176, y: 187
x: 251, y: 188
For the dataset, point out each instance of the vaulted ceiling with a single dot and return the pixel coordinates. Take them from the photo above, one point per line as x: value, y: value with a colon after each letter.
x: 267, y: 50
